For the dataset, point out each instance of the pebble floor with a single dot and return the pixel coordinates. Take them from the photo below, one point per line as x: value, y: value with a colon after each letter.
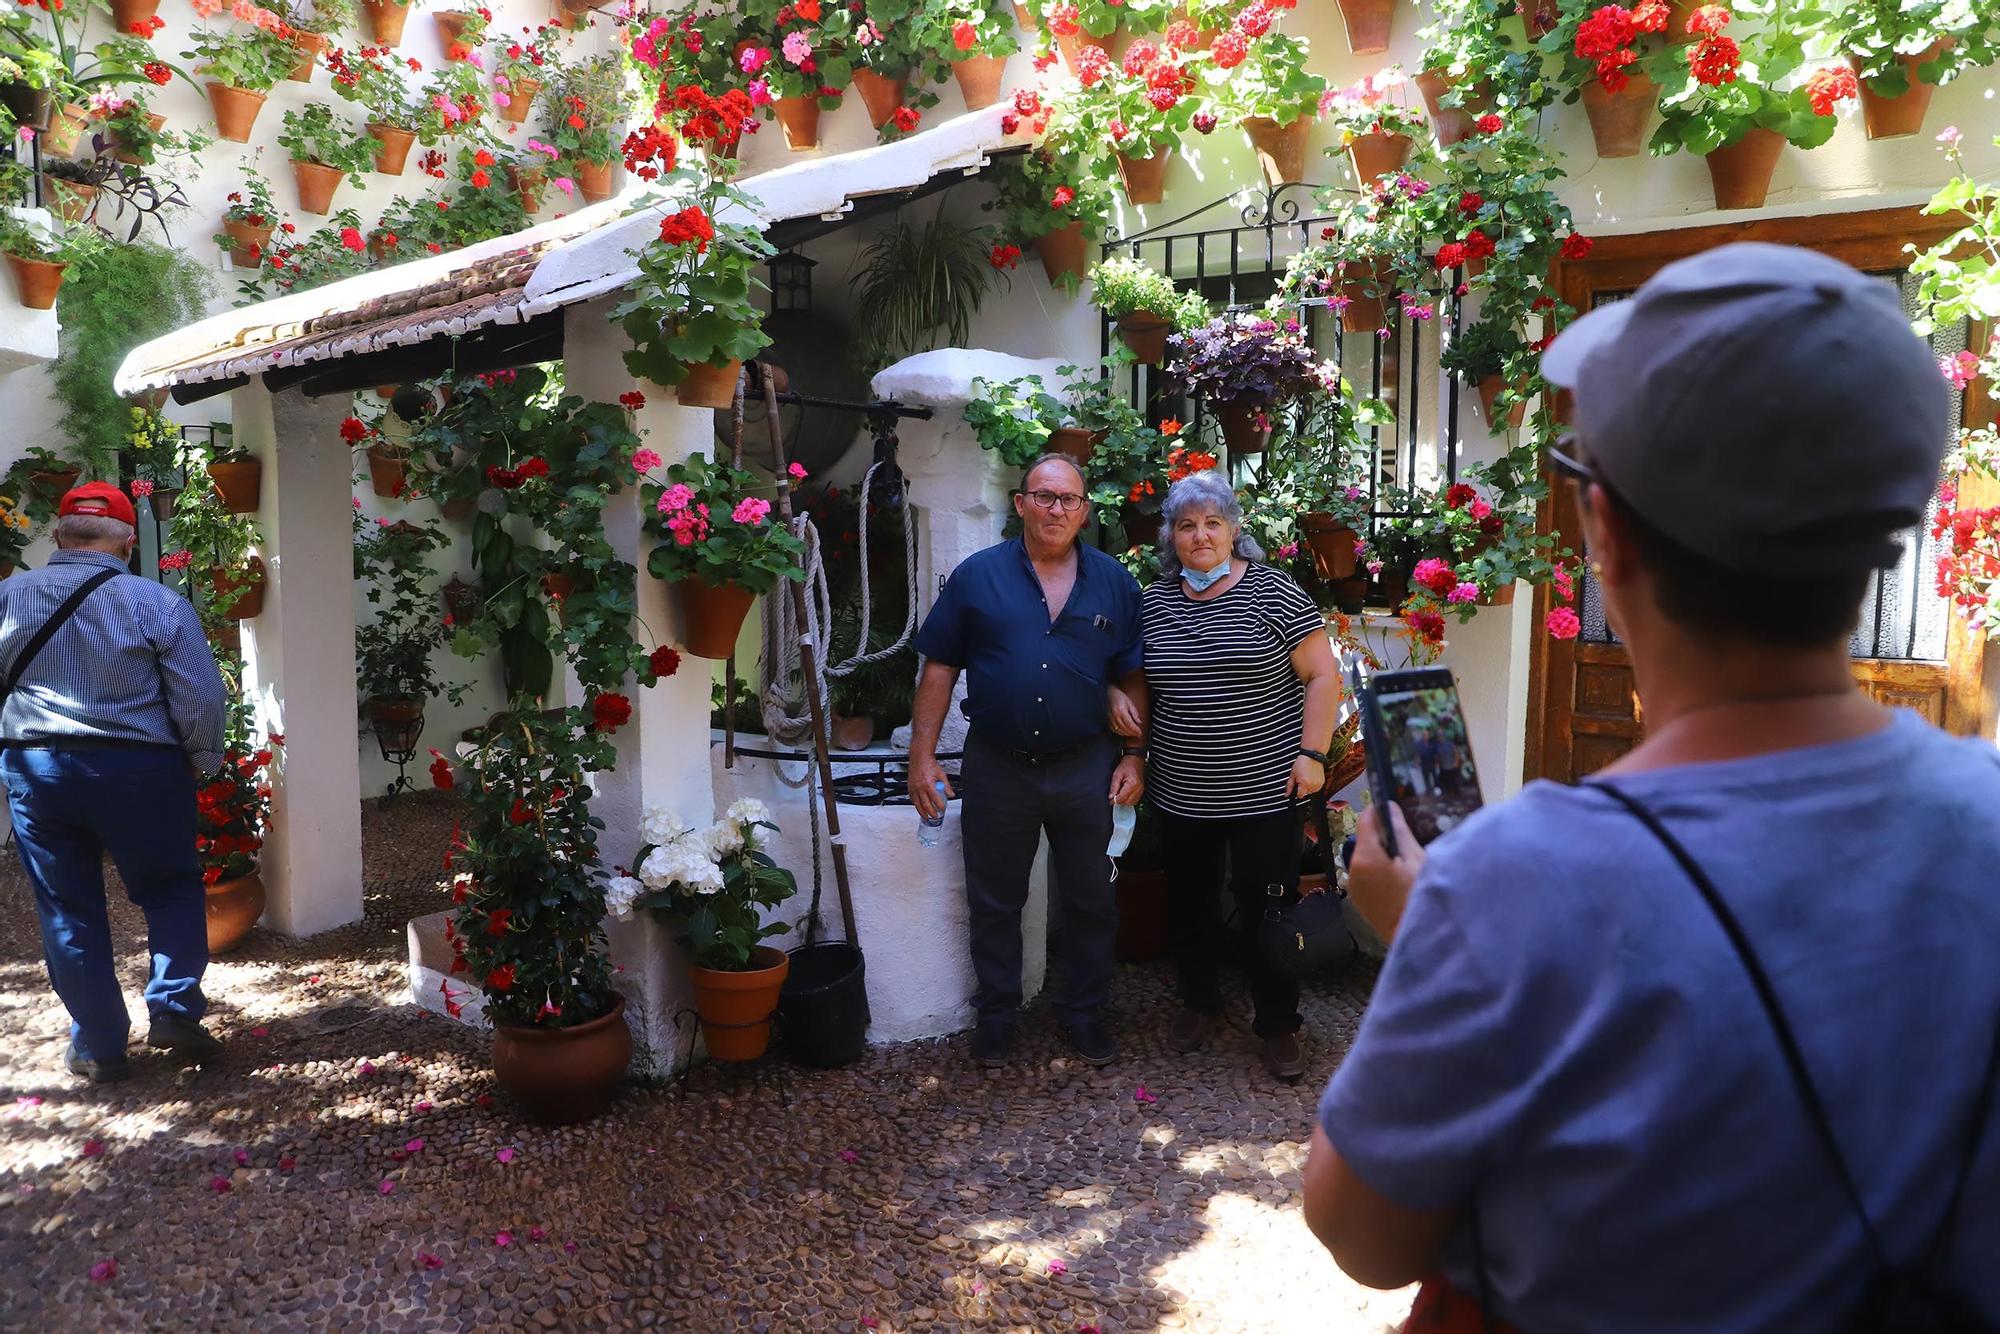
x: 349, y: 1164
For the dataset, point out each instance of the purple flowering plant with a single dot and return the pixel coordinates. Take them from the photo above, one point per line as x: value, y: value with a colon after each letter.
x: 1247, y: 359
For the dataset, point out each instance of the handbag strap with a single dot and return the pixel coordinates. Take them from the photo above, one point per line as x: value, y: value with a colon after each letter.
x: 1795, y: 1058
x: 39, y: 640
x: 1329, y: 851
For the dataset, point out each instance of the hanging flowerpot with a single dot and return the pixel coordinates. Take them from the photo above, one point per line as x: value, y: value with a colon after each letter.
x: 71, y: 200
x: 451, y: 25
x: 879, y: 93
x: 124, y: 153
x: 1678, y: 14
x: 979, y: 80
x: 33, y: 107
x: 246, y: 242
x: 1450, y: 125
x: 1281, y: 149
x: 714, y: 617
x: 152, y: 399
x: 1245, y: 428
x: 736, y: 1007
x: 55, y: 482
x: 520, y: 100
x: 392, y: 147
x: 239, y: 594
x: 309, y: 45
x: 461, y: 600
x: 1332, y: 545
x: 800, y: 118
x: 1893, y: 117
x: 316, y: 184
x: 1502, y: 596
x: 1075, y: 442
x: 66, y: 129
x: 529, y: 183
x: 1367, y: 24
x: 1063, y: 253
x: 1145, y: 177
x: 1362, y: 293
x: 1377, y: 154
x: 557, y: 585
x: 164, y: 499
x: 1071, y: 45
x: 126, y: 13
x: 1489, y: 393
x: 233, y: 908
x: 36, y: 280
x: 388, y: 472
x: 1204, y: 38
x: 1619, y: 121
x: 851, y: 733
x: 1538, y: 17
x: 235, y: 110
x: 237, y: 481
x: 709, y: 386
x: 1741, y: 172
x: 1025, y: 17
x: 562, y: 1076
x: 594, y: 180
x: 385, y: 21
x: 1146, y: 335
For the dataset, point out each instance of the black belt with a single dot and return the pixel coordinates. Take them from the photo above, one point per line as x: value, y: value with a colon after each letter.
x: 86, y: 743
x: 1038, y: 758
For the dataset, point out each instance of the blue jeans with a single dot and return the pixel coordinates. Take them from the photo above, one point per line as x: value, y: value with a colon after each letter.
x: 70, y: 808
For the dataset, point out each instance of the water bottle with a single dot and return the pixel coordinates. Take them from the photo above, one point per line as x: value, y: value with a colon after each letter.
x: 927, y: 829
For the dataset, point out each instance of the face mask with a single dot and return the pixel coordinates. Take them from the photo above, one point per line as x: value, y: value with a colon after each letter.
x: 1123, y: 819
x: 1199, y: 580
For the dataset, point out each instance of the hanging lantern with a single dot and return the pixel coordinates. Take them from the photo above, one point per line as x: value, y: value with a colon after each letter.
x: 791, y: 281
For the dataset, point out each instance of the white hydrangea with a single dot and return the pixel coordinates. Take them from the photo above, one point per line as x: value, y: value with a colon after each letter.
x: 660, y: 827
x: 703, y: 876
x: 621, y: 892
x: 748, y: 810
x: 685, y: 862
x: 724, y: 839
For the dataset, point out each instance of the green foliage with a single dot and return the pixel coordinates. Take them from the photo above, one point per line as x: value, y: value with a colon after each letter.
x: 313, y: 134
x: 917, y: 282
x: 1273, y: 82
x: 1879, y: 34
x: 1124, y: 286
x: 695, y: 513
x: 594, y: 92
x: 243, y: 57
x: 392, y: 651
x: 692, y: 303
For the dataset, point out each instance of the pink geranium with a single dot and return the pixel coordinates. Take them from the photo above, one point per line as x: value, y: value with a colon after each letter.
x: 1465, y: 592
x: 798, y: 48
x: 644, y: 460
x: 755, y: 58
x: 750, y: 510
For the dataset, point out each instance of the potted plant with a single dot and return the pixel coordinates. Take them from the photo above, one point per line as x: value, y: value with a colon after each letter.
x: 981, y: 39
x: 1470, y: 54
x: 715, y: 885
x: 70, y: 185
x: 718, y: 541
x: 1017, y: 419
x: 386, y: 20
x: 801, y: 71
x: 1146, y: 305
x: 1272, y: 94
x: 1055, y: 198
x: 232, y: 812
x: 139, y: 137
x: 584, y: 105
x: 1491, y: 355
x: 1143, y: 106
x: 891, y: 43
x: 154, y: 441
x: 392, y: 652
x: 238, y: 476
x: 34, y: 81
x: 312, y: 30
x: 39, y: 257
x: 462, y: 31
x: 1245, y: 365
x: 242, y: 64
x: 248, y: 221
x: 520, y: 69
x: 16, y: 531
x: 1901, y: 50
x: 397, y: 115
x: 323, y: 150
x: 1606, y: 56
x: 48, y: 472
x: 1377, y: 133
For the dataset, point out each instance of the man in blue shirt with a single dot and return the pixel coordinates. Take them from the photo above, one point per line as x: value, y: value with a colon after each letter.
x: 1041, y: 624
x: 101, y: 735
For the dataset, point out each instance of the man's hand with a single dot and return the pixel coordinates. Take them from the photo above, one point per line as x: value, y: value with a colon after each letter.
x: 1124, y: 713
x: 1378, y: 883
x: 1308, y: 777
x: 925, y: 773
x: 1128, y: 781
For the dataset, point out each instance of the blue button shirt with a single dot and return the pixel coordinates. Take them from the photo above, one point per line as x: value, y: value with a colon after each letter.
x: 1033, y: 684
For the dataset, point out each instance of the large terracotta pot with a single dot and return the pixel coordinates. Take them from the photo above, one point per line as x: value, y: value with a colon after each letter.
x: 594, y: 179
x: 37, y: 281
x: 71, y: 200
x: 451, y: 26
x: 561, y: 1076
x: 1619, y: 121
x: 530, y: 183
x: 1893, y: 117
x: 316, y: 184
x: 799, y: 116
x: 247, y: 242
x: 239, y: 595
x: 1024, y: 17
x: 66, y: 129
x: 1146, y: 177
x: 520, y: 101
x: 708, y: 386
x: 979, y: 80
x: 1064, y: 253
x: 1075, y: 442
x: 1281, y: 149
x: 879, y: 93
x: 1489, y: 393
x: 714, y: 617
x: 736, y: 1008
x: 1450, y: 125
x: 1377, y: 154
x: 1741, y: 172
x: 1365, y: 293
x: 392, y: 150
x: 1146, y: 335
x: 385, y: 21
x: 1332, y: 545
x: 388, y: 473
x: 235, y: 110
x: 125, y: 13
x: 237, y: 481
x: 1143, y: 933
x: 308, y: 45
x: 233, y: 908
x: 1241, y: 433
x: 1367, y: 24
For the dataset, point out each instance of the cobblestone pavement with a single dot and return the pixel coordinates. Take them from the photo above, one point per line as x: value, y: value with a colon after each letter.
x: 349, y: 1164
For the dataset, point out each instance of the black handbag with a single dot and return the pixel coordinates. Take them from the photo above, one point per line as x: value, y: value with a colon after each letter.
x: 1305, y: 934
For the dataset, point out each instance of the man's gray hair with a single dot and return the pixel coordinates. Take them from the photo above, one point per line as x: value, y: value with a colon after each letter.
x: 1202, y: 492
x: 92, y: 530
x: 1054, y: 457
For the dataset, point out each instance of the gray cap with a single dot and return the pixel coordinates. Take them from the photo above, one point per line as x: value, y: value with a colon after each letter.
x: 1766, y: 406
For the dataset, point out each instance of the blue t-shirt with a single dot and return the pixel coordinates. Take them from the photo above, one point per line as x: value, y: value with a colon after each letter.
x: 1562, y: 1024
x: 1033, y: 684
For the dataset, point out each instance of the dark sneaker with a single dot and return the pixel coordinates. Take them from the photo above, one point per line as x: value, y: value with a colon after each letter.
x: 184, y: 1038
x: 1192, y: 1030
x: 993, y: 1043
x: 1089, y: 1040
x: 1284, y: 1056
x: 97, y: 1072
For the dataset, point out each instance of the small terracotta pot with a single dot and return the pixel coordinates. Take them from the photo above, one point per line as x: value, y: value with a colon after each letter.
x: 1024, y: 18
x: 1365, y: 291
x: 594, y: 180
x: 125, y: 13
x: 736, y: 1007
x: 557, y: 585
x: 1502, y: 596
x: 714, y: 617
x: 451, y: 25
x: 239, y: 595
x: 1538, y: 17
x: 1678, y: 14
x: 1377, y: 154
x: 235, y: 110
x: 979, y: 80
x: 233, y: 908
x: 520, y: 101
x: 458, y: 509
x: 1204, y: 38
x: 316, y: 184
x: 153, y: 399
x: 1063, y: 253
x: 1450, y: 125
x: 385, y: 21
x: 37, y: 281
x: 879, y: 93
x: 66, y: 129
x: 1367, y: 24
x: 708, y: 386
x: 1146, y: 335
x: 1489, y: 392
x: 1350, y: 595
x: 248, y: 242
x: 852, y: 733
x: 1075, y: 442
x: 1741, y: 172
x: 309, y: 45
x: 1332, y: 545
x: 55, y: 482
x: 561, y: 1076
x: 1894, y: 117
x: 237, y: 481
x: 800, y: 118
x: 529, y: 183
x: 1390, y: 589
x: 388, y: 474
x: 1281, y: 149
x: 72, y: 201
x: 1240, y: 432
x: 1619, y: 121
x: 392, y: 147
x: 1146, y: 177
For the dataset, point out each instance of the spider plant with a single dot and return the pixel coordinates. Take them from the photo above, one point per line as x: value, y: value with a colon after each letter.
x: 918, y: 280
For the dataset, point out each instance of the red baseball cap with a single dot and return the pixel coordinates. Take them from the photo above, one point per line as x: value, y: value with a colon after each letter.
x: 100, y: 499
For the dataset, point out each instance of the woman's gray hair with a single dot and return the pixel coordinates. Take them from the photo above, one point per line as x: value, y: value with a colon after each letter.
x: 78, y: 530
x: 1202, y: 492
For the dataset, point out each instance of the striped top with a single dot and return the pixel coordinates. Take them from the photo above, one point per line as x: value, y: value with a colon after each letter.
x: 1227, y: 708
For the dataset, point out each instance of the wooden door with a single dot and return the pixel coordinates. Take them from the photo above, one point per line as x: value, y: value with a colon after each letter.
x: 1910, y: 650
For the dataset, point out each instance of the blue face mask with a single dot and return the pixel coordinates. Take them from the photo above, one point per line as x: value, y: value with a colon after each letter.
x: 1201, y: 580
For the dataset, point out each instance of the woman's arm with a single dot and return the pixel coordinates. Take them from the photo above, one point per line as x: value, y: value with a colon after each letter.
x: 1314, y: 663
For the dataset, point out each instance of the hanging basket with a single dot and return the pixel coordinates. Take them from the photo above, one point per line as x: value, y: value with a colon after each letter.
x: 708, y: 386
x: 1332, y: 545
x: 163, y: 499
x: 316, y: 184
x: 385, y: 21
x: 1363, y: 291
x: 1450, y: 125
x: 1741, y: 172
x: 235, y: 110
x: 1064, y: 253
x: 1281, y: 149
x: 1367, y: 24
x: 125, y: 13
x: 714, y: 617
x: 562, y: 1076
x: 36, y: 280
x: 1377, y: 154
x: 736, y: 1007
x: 520, y: 101
x: 1245, y: 427
x: 1894, y: 117
x: 799, y: 117
x: 55, y: 482
x: 237, y: 481
x: 1145, y: 177
x: 880, y: 94
x: 392, y: 147
x: 451, y: 25
x: 1619, y: 121
x: 1489, y: 393
x: 529, y: 183
x: 1146, y: 335
x: 979, y: 80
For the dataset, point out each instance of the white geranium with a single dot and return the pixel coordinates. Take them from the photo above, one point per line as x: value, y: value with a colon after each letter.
x: 748, y: 810
x: 621, y: 892
x: 724, y: 839
x: 660, y: 827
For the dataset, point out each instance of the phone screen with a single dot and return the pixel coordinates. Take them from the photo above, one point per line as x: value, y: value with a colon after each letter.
x: 1424, y: 755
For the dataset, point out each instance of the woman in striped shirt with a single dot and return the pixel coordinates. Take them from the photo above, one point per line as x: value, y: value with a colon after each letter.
x: 1244, y: 690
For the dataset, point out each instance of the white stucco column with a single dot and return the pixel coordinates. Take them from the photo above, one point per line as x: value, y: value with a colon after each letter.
x: 299, y: 656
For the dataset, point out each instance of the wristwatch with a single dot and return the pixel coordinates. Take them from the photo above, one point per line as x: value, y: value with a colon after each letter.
x: 1317, y: 755
x: 1133, y: 752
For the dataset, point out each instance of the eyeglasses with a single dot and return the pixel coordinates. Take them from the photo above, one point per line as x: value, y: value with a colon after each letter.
x: 1566, y: 456
x: 1048, y: 500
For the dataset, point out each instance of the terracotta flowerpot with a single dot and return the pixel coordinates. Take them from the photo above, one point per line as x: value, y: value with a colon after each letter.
x: 233, y: 908
x: 1241, y: 432
x: 1502, y: 596
x: 520, y: 101
x: 1146, y: 177
x: 1142, y: 916
x: 708, y: 386
x: 309, y: 45
x: 55, y: 482
x: 1377, y: 154
x: 71, y: 200
x: 1024, y: 17
x: 1367, y: 24
x: 1063, y: 253
x: 1071, y: 45
x: 235, y: 110
x: 127, y: 154
x: 561, y: 1076
x: 125, y: 13
x: 316, y: 184
x: 714, y: 617
x: 1538, y: 17
x: 32, y: 107
x: 152, y: 399
x: 1204, y: 38
x: 1489, y: 392
x: 1146, y: 335
x: 1741, y: 172
x: 1450, y: 125
x: 879, y: 93
x: 458, y: 510
x: 247, y: 242
x: 66, y: 130
x: 388, y: 474
x: 557, y: 585
x: 1893, y: 117
x: 1365, y: 293
x: 736, y: 1008
x: 238, y: 481
x: 1390, y: 589
x: 37, y: 281
x: 163, y: 499
x: 1619, y: 121
x: 800, y: 118
x: 451, y: 26
x: 529, y: 183
x: 1075, y: 442
x: 392, y: 151
x: 1678, y: 14
x: 979, y: 80
x: 1281, y: 149
x: 394, y: 710
x: 227, y: 637
x: 239, y: 594
x: 1332, y: 545
x: 1350, y: 595
x: 852, y: 733
x: 594, y: 180
x: 385, y: 21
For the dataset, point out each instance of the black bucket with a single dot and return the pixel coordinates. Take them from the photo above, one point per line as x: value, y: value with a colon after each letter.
x: 823, y: 1010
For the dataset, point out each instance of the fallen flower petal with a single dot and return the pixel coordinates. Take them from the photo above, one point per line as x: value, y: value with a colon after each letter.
x: 242, y: 1158
x: 93, y: 1148
x: 1058, y: 1267
x: 429, y: 1261
x: 29, y: 1100
x: 414, y: 1146
x: 387, y: 1188
x: 485, y: 1102
x: 261, y: 1031
x: 424, y: 1106
x: 1141, y: 1094
x: 537, y: 1233
x: 104, y: 1271
x: 220, y: 1185
x: 366, y: 1068
x: 287, y: 1163
x: 504, y: 1155
x: 503, y: 1239
x: 569, y: 1248
x: 849, y: 1156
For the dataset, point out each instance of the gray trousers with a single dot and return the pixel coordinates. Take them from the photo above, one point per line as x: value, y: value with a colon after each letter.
x: 1008, y: 805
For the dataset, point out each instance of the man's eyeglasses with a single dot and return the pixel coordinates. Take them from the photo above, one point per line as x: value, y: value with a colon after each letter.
x: 1048, y: 500
x: 1566, y: 456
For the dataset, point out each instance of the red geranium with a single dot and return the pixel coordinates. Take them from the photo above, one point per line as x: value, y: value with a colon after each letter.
x: 664, y: 661
x: 610, y: 711
x: 1576, y: 247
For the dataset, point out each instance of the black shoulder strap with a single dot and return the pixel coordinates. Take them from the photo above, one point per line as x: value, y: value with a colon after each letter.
x: 1795, y: 1059
x: 56, y: 622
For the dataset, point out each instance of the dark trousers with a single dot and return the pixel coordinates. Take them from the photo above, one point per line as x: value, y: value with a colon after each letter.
x: 69, y: 809
x: 1262, y: 852
x: 1009, y: 804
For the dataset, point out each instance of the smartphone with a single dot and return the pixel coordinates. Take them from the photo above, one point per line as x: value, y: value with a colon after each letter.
x: 1413, y: 731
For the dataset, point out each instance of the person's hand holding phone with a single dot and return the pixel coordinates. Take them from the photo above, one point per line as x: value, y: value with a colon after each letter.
x: 1378, y: 883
